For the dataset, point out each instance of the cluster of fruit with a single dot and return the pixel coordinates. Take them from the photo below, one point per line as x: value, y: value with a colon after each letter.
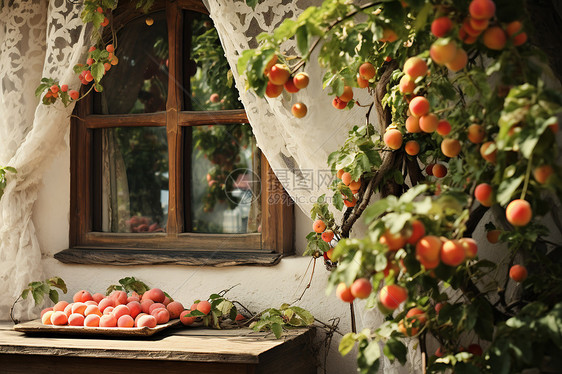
x: 116, y: 310
x: 107, y: 58
x: 354, y: 186
x: 280, y: 78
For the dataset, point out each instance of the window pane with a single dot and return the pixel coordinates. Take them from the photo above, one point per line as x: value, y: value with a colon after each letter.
x: 139, y: 82
x: 134, y: 179
x: 225, y: 184
x: 208, y: 81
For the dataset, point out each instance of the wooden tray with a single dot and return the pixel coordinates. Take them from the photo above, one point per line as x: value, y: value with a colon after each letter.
x: 36, y: 327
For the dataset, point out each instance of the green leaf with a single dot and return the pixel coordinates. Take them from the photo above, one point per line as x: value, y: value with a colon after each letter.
x: 369, y: 354
x: 277, y: 330
x: 347, y: 343
x: 304, y: 314
x: 25, y: 293
x: 252, y: 3
x: 98, y: 71
x: 38, y: 296
x: 395, y: 349
x: 54, y: 296
x: 507, y: 188
x: 302, y: 39
x: 10, y: 169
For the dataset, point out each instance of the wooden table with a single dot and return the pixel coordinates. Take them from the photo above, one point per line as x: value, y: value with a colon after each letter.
x: 179, y: 350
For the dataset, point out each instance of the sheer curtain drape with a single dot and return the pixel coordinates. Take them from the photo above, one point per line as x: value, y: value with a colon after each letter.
x: 37, y: 39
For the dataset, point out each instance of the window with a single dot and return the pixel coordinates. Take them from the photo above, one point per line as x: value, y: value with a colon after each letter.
x: 164, y: 167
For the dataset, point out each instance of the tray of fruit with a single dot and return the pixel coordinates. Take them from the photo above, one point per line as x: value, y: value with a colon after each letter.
x: 115, y: 315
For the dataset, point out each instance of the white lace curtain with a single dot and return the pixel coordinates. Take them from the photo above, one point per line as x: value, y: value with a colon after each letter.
x: 37, y: 39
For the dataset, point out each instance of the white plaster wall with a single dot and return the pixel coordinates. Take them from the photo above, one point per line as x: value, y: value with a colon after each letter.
x: 258, y: 289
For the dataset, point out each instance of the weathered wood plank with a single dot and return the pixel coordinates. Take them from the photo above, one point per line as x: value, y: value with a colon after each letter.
x: 216, y: 117
x: 123, y: 257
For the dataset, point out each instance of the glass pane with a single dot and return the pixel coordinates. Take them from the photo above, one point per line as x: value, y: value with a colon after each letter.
x: 134, y: 179
x: 208, y: 82
x: 225, y: 184
x: 139, y: 82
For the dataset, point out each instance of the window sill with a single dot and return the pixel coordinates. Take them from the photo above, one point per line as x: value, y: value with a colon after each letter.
x: 126, y: 257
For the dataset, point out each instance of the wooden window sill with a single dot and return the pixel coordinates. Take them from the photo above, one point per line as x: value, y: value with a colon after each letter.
x: 180, y: 350
x: 124, y: 257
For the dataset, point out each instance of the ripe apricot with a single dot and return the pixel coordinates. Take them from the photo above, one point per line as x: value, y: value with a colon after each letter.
x: 344, y: 293
x: 443, y: 127
x: 518, y: 273
x: 204, y: 307
x: 415, y: 67
x: 441, y: 26
x: 125, y: 321
x: 391, y: 296
x: 154, y: 294
x: 519, y: 39
x: 543, y: 173
x: 108, y: 320
x: 82, y: 296
x: 475, y: 349
x: 488, y: 151
x: 389, y: 35
x: 93, y: 320
x: 60, y: 306
x: 439, y: 170
x: 273, y: 90
x: 76, y: 319
x: 361, y: 288
x: 412, y: 147
x: 418, y: 231
x: 346, y: 178
x: 270, y: 64
x: 97, y: 297
x: 330, y: 253
x: 319, y: 226
x: 442, y: 53
x: 108, y: 310
x: 476, y: 133
x: 414, y: 319
x: 347, y: 94
x: 470, y: 247
x: 58, y: 318
x: 465, y: 37
x: 494, y: 38
x: 362, y: 83
x: 429, y: 122
x: 452, y: 253
x: 79, y: 308
x: 450, y: 147
x: 134, y: 308
x: 161, y: 314
x: 121, y: 310
x: 459, y: 61
x: 493, y: 236
x: 413, y: 124
x: 290, y: 86
x: 74, y: 95
x: 340, y: 173
x: 350, y: 204
x: 338, y: 103
x: 92, y: 309
x: 519, y: 212
x: 175, y: 308
x: 104, y: 303
x: 185, y: 319
x: 301, y: 80
x: 119, y: 297
x: 50, y: 309
x: 299, y: 110
x: 327, y: 236
x: 482, y: 9
x: 46, y: 317
x: 393, y: 241
x: 406, y: 85
x: 355, y: 185
x: 484, y: 194
x: 428, y: 249
x: 278, y: 74
x: 479, y: 24
x: 393, y: 138
x: 155, y: 306
x: 146, y: 321
x: 419, y: 106
x: 110, y: 48
x: 367, y: 71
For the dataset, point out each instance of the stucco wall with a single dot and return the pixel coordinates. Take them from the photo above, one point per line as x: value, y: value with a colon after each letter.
x: 259, y: 287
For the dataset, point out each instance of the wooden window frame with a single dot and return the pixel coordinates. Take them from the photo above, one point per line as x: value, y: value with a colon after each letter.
x: 173, y: 246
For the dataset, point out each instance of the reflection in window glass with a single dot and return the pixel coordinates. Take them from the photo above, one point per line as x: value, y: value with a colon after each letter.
x: 135, y: 179
x: 208, y: 81
x: 225, y: 189
x: 139, y: 82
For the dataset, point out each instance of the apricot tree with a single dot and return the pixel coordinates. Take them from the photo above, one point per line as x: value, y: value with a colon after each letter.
x: 467, y: 124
